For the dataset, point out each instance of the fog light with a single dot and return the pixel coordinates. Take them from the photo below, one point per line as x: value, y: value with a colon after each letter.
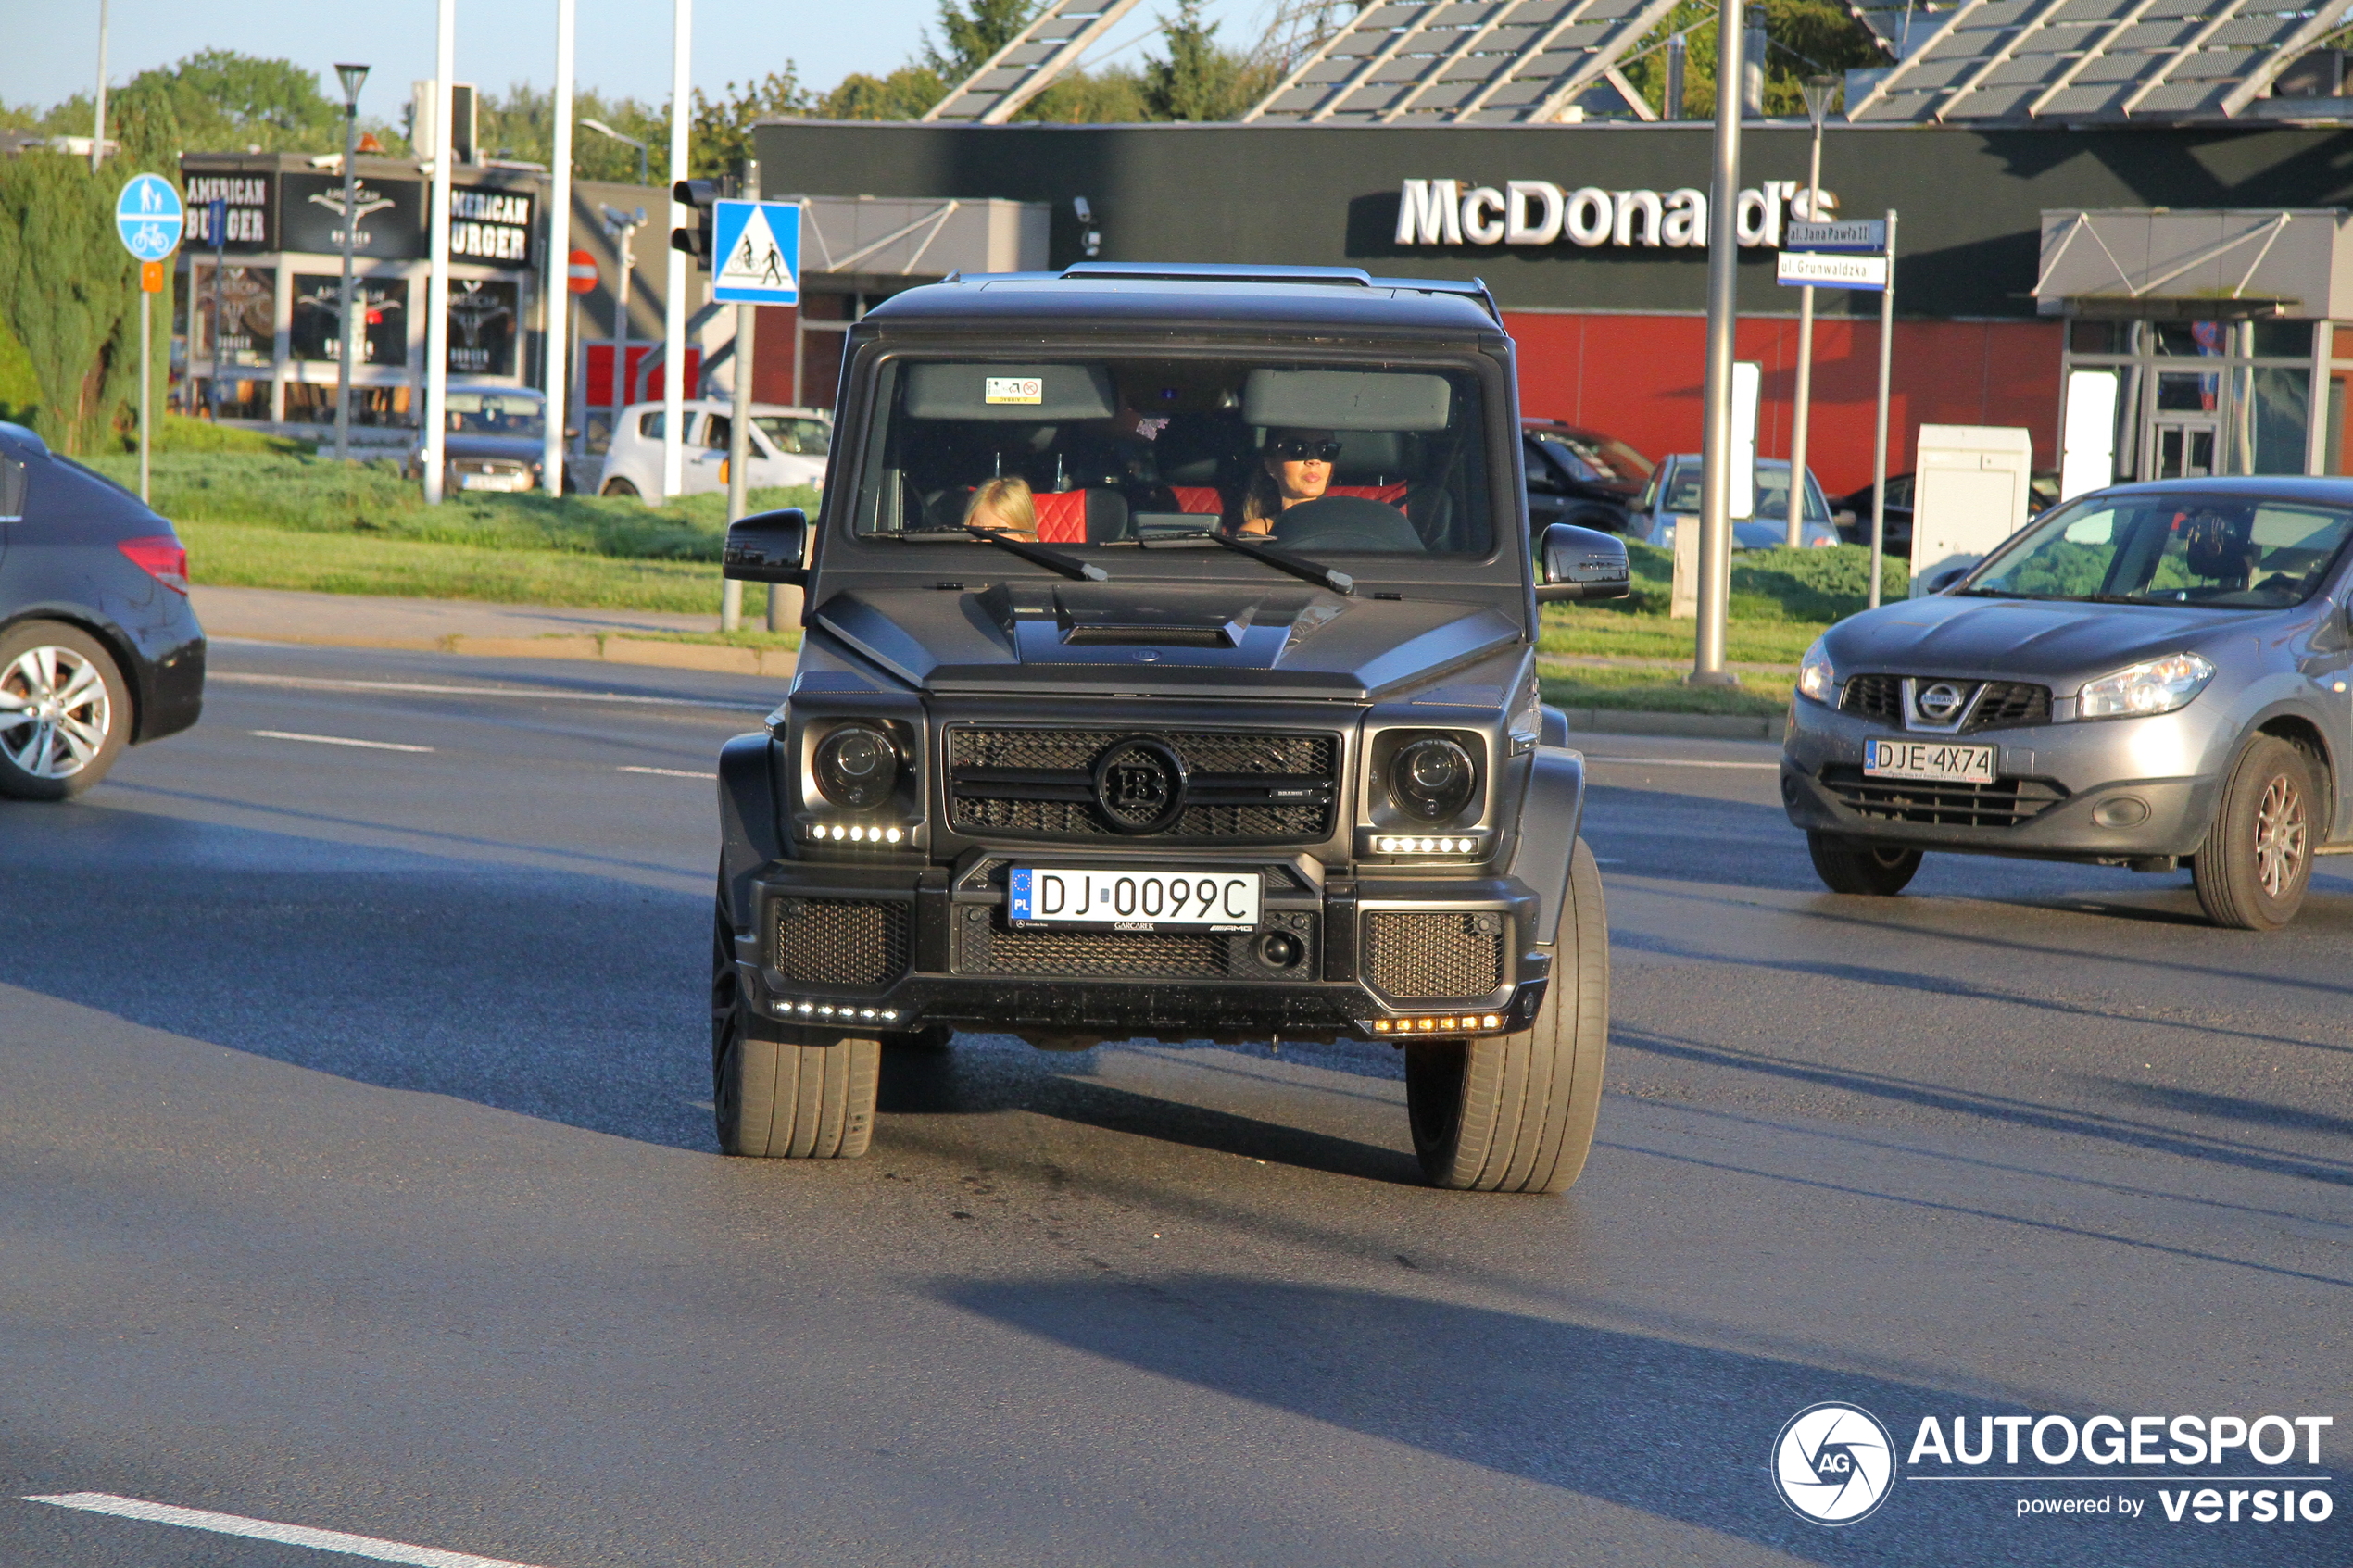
x: 2121, y: 811
x: 1279, y: 950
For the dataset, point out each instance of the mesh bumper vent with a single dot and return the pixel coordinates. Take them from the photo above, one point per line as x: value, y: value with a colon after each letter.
x: 841, y: 941
x: 1434, y: 957
x: 1241, y: 786
x: 2002, y: 803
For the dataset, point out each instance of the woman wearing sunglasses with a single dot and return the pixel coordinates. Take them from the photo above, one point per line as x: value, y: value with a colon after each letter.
x: 1294, y: 466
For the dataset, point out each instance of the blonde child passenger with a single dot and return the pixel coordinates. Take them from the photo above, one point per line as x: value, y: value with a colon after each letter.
x: 1004, y: 505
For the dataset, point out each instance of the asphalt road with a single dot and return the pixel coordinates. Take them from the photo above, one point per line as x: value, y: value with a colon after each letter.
x: 356, y: 1173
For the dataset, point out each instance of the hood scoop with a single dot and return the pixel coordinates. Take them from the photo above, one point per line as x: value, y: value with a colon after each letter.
x: 1143, y: 626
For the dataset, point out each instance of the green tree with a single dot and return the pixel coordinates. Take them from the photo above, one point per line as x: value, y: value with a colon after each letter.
x: 721, y: 136
x: 1110, y: 96
x: 1805, y: 38
x: 1201, y: 81
x: 905, y: 93
x: 972, y: 31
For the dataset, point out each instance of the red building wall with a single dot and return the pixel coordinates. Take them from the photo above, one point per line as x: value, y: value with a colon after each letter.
x: 1639, y: 378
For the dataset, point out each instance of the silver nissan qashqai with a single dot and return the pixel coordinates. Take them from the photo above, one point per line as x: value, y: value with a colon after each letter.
x: 2148, y: 676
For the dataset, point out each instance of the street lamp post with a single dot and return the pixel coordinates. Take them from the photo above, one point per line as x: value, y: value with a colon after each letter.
x: 1818, y: 91
x: 621, y: 228
x: 601, y: 128
x: 353, y: 76
x: 1716, y: 429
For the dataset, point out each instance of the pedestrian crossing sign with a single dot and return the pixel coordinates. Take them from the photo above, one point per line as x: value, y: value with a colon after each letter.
x: 757, y: 247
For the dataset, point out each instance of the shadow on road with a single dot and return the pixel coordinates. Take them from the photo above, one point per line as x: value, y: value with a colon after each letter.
x: 1672, y: 1430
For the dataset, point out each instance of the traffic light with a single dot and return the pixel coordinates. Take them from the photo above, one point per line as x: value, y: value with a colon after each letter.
x: 697, y: 196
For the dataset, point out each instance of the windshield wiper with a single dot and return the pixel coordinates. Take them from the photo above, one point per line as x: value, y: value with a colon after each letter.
x: 1283, y: 560
x: 1037, y: 555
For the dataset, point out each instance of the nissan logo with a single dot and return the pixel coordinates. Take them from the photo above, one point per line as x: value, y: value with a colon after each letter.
x: 1139, y: 785
x: 1941, y: 701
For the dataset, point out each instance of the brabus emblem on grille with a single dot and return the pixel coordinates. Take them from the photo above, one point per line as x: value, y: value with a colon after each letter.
x: 1139, y: 785
x: 1940, y: 701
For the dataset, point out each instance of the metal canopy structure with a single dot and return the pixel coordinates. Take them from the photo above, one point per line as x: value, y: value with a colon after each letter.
x: 2091, y: 60
x: 1470, y: 62
x: 2210, y: 263
x: 1051, y: 44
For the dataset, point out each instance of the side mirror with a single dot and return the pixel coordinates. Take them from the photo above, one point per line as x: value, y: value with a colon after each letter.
x: 1945, y: 580
x: 766, y: 546
x: 1581, y: 563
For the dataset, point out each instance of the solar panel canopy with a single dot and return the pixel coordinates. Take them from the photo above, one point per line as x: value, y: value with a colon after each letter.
x: 1051, y: 43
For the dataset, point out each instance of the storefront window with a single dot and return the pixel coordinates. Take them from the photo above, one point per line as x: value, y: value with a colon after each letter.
x: 482, y: 328
x: 2267, y: 433
x: 318, y: 299
x: 248, y: 300
x: 2189, y: 338
x: 2282, y: 340
x: 2181, y: 391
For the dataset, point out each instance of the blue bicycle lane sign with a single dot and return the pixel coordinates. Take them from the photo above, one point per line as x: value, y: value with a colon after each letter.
x: 149, y: 217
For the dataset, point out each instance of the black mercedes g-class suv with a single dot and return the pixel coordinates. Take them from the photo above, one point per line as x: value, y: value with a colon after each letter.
x: 1168, y: 670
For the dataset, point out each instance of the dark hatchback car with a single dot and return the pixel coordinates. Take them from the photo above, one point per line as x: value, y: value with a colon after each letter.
x: 496, y: 441
x: 1580, y: 477
x: 98, y: 647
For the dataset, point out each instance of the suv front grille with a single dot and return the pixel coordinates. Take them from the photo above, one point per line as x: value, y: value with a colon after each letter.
x: 841, y: 941
x: 2005, y: 704
x: 2002, y: 803
x: 985, y: 946
x: 1434, y: 957
x: 1242, y: 786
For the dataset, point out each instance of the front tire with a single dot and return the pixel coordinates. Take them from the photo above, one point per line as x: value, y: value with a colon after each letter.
x: 1870, y: 870
x: 774, y: 1098
x: 619, y: 487
x: 2255, y: 865
x: 1516, y: 1114
x: 65, y: 711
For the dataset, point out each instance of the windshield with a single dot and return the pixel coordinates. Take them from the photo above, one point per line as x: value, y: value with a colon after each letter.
x: 496, y: 413
x: 1772, y: 490
x: 794, y: 435
x: 2190, y: 548
x: 1313, y: 457
x: 1594, y: 457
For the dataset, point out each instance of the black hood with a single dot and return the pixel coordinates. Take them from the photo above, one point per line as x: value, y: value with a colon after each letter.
x: 1223, y: 641
x: 2052, y: 641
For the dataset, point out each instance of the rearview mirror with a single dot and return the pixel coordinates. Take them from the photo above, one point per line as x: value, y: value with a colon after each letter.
x: 1581, y: 563
x: 766, y: 546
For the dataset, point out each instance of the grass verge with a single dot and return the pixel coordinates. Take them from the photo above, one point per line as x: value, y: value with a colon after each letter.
x: 231, y: 555
x: 1648, y: 691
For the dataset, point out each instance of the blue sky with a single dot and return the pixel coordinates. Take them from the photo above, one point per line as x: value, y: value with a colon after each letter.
x: 624, y: 48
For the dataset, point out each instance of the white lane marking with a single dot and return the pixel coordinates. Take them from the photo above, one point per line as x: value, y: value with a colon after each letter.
x: 337, y: 740
x: 420, y: 688
x: 269, y: 1530
x: 667, y: 772
x: 1676, y: 763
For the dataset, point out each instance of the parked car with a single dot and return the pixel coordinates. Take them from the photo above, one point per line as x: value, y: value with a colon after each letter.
x: 1115, y: 770
x: 1580, y: 476
x: 788, y: 446
x: 1672, y: 496
x: 496, y: 440
x: 1853, y: 513
x: 2148, y: 676
x: 98, y: 647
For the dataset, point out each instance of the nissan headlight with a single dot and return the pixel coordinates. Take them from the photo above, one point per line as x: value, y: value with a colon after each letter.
x: 2159, y: 686
x: 1816, y: 679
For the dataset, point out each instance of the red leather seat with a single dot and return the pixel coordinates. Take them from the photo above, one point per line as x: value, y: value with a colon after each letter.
x: 1061, y: 516
x: 1388, y: 495
x: 1198, y: 499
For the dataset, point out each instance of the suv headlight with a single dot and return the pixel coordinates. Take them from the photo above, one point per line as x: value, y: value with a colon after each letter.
x: 1816, y: 679
x: 1432, y: 779
x: 2159, y: 685
x: 856, y: 766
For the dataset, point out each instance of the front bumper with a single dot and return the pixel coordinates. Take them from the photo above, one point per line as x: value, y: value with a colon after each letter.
x: 949, y: 957
x: 2119, y: 790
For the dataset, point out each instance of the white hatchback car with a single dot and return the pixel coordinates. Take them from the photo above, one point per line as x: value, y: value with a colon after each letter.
x: 788, y: 446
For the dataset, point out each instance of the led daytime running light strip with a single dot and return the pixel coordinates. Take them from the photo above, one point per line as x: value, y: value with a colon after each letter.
x: 835, y: 832
x: 831, y: 1012
x: 1386, y: 845
x: 1437, y: 1023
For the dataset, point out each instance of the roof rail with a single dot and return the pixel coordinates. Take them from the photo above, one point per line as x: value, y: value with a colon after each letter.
x: 1217, y: 272
x: 1235, y: 272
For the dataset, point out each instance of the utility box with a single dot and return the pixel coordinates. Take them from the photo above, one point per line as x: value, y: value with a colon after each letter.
x: 1970, y: 494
